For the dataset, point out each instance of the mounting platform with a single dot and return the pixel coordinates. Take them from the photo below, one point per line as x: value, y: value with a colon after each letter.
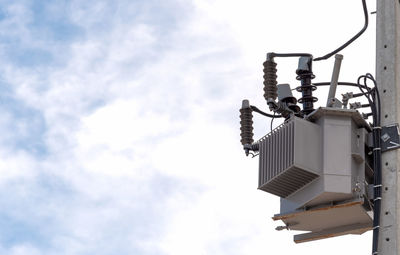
x: 328, y: 221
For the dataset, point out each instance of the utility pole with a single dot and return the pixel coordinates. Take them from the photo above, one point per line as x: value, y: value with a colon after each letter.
x: 388, y: 79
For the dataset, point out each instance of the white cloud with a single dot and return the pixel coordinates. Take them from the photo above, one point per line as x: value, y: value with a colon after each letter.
x: 16, y: 165
x: 118, y: 139
x: 142, y: 133
x: 24, y: 249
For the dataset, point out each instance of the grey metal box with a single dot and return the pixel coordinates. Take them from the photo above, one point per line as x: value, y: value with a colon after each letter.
x: 342, y: 173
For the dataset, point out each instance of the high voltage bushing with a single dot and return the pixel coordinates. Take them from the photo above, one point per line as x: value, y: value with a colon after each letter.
x: 246, y: 124
x: 270, y: 88
x: 305, y: 75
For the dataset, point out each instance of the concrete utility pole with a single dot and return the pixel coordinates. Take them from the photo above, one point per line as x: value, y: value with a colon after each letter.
x: 388, y: 78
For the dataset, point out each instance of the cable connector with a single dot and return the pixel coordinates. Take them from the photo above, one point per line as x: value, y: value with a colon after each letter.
x: 355, y: 105
x: 251, y: 147
x: 358, y: 105
x: 345, y: 99
x: 366, y: 115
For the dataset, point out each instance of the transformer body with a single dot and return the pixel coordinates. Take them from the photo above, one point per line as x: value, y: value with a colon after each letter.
x: 316, y: 163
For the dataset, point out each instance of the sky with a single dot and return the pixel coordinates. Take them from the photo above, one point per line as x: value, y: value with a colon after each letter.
x: 119, y: 122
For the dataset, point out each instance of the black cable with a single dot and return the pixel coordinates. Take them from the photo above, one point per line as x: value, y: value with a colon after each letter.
x: 378, y: 98
x: 339, y: 83
x: 368, y: 93
x: 351, y: 84
x: 377, y: 174
x: 255, y: 109
x: 271, y: 55
x: 375, y: 103
x: 368, y: 96
x: 368, y: 114
x: 352, y: 39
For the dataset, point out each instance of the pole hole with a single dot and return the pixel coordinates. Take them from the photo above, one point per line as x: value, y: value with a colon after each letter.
x: 384, y: 91
x: 387, y: 239
x: 386, y: 188
x: 387, y: 163
x: 385, y: 46
x: 384, y: 68
x: 386, y: 116
x: 386, y: 213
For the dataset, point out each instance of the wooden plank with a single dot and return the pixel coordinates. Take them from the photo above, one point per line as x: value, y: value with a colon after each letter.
x: 328, y: 233
x: 295, y: 214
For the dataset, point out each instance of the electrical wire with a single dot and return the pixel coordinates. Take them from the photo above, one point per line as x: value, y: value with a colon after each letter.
x: 373, y: 97
x: 255, y: 109
x: 376, y: 93
x: 351, y: 84
x: 339, y: 83
x: 272, y: 121
x: 352, y: 39
x: 271, y: 55
x: 368, y: 94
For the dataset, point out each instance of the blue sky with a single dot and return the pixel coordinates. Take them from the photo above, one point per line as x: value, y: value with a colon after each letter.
x: 119, y: 122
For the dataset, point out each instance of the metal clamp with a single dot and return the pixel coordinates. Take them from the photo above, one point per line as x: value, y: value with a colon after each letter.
x: 390, y: 137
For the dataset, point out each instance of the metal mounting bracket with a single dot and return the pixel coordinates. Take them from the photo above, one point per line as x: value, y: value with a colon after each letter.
x: 390, y: 138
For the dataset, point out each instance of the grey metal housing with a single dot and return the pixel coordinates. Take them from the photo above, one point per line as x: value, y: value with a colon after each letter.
x: 318, y: 163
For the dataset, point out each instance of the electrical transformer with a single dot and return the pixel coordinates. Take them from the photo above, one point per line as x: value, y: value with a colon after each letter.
x: 320, y: 162
x: 318, y: 168
x: 325, y: 162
